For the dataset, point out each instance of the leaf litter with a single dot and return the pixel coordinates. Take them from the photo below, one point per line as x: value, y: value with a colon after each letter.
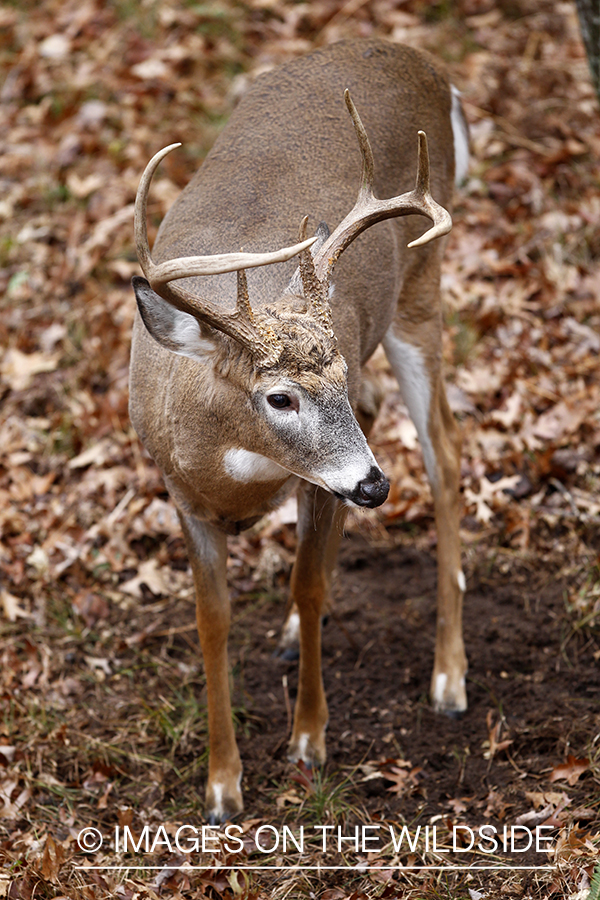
x: 101, y: 683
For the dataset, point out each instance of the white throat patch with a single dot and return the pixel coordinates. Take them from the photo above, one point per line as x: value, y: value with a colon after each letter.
x: 245, y: 466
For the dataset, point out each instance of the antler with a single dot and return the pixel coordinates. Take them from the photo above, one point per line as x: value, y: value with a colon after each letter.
x: 315, y: 291
x: 368, y: 209
x: 240, y: 324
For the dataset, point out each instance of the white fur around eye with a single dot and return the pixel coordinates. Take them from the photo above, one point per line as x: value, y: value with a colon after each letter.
x: 245, y: 466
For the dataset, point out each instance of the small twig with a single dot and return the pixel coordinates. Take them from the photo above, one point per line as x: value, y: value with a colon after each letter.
x: 180, y: 629
x: 362, y: 654
x: 288, y: 705
x: 566, y: 494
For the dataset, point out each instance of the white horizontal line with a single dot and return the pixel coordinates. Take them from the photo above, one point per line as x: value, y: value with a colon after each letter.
x: 354, y: 869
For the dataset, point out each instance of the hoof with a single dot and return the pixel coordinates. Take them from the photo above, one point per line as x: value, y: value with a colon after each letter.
x: 449, y: 696
x: 214, y: 819
x: 453, y: 713
x: 223, y: 802
x: 220, y: 818
x: 303, y: 750
x: 287, y: 654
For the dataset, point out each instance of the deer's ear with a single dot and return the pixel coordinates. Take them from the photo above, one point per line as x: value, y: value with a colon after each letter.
x: 173, y: 329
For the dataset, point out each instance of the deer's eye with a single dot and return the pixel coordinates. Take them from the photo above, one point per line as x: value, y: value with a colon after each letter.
x: 280, y: 401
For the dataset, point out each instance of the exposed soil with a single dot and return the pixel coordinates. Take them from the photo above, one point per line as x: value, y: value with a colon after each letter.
x: 525, y: 667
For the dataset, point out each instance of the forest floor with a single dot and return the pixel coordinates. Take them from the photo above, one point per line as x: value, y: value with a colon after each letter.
x: 103, y: 719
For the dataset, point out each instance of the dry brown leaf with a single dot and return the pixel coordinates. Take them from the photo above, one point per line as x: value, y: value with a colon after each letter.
x: 150, y: 573
x: 569, y: 771
x: 560, y: 421
x: 575, y: 842
x: 19, y: 369
x: 457, y: 806
x: 91, y: 607
x: 53, y: 858
x: 403, y: 780
x: 496, y: 805
x: 542, y: 798
x: 10, y: 809
x: 289, y: 797
x: 12, y: 607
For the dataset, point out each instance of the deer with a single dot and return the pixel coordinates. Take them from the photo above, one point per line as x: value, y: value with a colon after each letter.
x: 246, y: 378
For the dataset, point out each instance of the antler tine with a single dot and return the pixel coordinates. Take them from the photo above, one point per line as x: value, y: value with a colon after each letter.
x: 439, y: 216
x: 189, y: 266
x: 314, y: 290
x: 367, y: 174
x: 140, y: 219
x: 368, y: 209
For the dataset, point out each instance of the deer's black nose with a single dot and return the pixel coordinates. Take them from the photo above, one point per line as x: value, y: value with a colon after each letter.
x: 372, y: 491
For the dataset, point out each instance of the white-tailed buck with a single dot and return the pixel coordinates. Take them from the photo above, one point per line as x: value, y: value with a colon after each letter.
x: 242, y: 402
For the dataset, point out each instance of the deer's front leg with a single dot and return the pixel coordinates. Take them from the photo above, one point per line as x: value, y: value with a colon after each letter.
x: 371, y: 397
x: 207, y: 549
x: 310, y: 585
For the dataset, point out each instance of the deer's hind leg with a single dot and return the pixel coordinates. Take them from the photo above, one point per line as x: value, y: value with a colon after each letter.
x: 414, y: 353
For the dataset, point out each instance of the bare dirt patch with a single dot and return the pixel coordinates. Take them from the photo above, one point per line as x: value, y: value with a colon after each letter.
x: 540, y: 681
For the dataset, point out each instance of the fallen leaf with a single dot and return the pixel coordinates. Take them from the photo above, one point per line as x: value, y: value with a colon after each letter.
x: 402, y: 780
x: 52, y: 859
x: 288, y: 798
x: 94, y: 455
x: 569, y: 771
x: 91, y: 607
x: 458, y: 807
x: 304, y: 777
x: 12, y: 607
x: 541, y: 798
x: 10, y: 809
x: 574, y: 843
x: 496, y: 805
x: 151, y: 574
x: 19, y: 369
